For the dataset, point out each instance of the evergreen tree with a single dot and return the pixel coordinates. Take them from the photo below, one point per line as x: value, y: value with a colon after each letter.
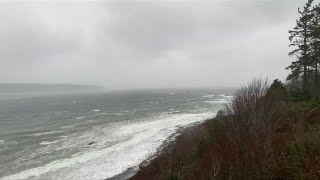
x: 315, y: 33
x: 300, y: 39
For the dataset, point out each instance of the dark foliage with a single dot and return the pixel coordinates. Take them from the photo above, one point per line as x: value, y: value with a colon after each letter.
x: 259, y: 135
x: 305, y: 38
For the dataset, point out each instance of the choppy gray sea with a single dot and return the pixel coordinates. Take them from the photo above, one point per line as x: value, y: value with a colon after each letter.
x: 48, y: 136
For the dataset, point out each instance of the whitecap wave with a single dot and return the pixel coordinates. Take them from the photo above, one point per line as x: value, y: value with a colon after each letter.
x: 227, y: 96
x: 45, y: 133
x: 81, y: 117
x: 174, y: 112
x: 44, y: 143
x: 219, y: 101
x: 208, y: 96
x: 139, y: 141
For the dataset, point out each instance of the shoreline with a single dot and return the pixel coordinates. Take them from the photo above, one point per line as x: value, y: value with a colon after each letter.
x: 176, y: 146
x: 166, y: 144
x: 125, y: 175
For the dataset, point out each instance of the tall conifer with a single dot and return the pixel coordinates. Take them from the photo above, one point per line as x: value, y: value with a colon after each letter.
x: 300, y: 39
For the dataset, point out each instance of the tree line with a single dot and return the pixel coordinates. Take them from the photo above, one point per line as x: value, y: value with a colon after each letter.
x: 305, y: 42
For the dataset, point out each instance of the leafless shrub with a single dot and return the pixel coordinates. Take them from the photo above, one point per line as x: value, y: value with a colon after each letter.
x: 251, y: 122
x: 245, y: 142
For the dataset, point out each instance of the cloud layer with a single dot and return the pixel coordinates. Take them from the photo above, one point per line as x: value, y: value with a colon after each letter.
x: 145, y: 44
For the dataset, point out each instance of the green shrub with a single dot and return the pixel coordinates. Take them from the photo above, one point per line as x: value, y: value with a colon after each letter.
x: 314, y: 127
x: 299, y: 96
x: 313, y: 105
x: 278, y: 91
x: 302, y: 160
x: 172, y: 176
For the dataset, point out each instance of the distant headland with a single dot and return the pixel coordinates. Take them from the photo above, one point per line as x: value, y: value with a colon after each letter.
x: 31, y: 87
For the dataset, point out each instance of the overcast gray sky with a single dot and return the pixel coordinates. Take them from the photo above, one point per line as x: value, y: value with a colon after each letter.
x: 124, y: 44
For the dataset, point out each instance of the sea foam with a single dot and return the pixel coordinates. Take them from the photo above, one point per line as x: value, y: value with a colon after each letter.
x: 143, y: 140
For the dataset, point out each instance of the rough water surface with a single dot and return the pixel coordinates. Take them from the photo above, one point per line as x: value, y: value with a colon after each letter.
x: 94, y: 136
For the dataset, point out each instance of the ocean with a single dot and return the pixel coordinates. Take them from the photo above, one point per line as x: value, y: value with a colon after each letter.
x: 94, y: 135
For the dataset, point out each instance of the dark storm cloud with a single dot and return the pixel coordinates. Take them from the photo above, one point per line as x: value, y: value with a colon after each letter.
x: 145, y: 44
